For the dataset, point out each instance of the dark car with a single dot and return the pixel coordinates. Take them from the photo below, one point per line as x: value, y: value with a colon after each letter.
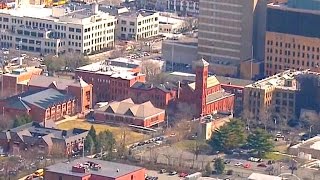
x: 162, y: 171
x: 293, y: 168
x: 227, y: 162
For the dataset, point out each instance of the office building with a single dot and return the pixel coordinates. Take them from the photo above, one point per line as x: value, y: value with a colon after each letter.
x: 56, y: 30
x: 134, y: 24
x: 288, y: 45
x: 230, y: 32
x: 187, y: 7
x: 273, y: 98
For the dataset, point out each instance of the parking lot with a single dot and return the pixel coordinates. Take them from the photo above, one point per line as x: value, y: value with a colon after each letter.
x: 164, y: 176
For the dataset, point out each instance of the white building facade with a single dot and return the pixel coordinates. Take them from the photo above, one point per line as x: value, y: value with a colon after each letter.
x: 56, y: 30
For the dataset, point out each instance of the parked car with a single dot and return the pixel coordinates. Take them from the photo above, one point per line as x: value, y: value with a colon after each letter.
x: 238, y: 164
x: 183, y: 174
x: 172, y: 173
x: 253, y: 159
x: 247, y: 166
x: 227, y: 162
x: 162, y: 171
x: 230, y: 172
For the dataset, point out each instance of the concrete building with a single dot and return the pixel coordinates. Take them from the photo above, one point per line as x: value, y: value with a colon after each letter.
x: 40, y: 105
x: 93, y: 169
x: 231, y: 32
x: 288, y: 46
x: 310, y: 147
x: 126, y: 111
x: 42, y: 138
x: 134, y: 24
x: 171, y: 25
x: 212, y: 122
x: 184, y: 7
x: 181, y: 51
x: 272, y: 99
x: 16, y: 81
x: 111, y: 80
x: 56, y: 30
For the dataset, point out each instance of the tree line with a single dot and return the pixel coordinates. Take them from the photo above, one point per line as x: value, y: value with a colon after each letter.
x: 102, y: 142
x: 233, y: 135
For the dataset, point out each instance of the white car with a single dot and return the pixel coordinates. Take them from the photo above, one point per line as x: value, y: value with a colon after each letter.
x: 253, y: 159
x: 238, y: 164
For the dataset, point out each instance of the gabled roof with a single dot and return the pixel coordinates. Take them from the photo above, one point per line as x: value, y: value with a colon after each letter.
x: 211, y: 81
x: 59, y: 83
x: 127, y: 107
x: 46, y: 98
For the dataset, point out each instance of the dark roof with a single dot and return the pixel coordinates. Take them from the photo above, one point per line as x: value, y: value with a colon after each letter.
x: 40, y: 98
x: 47, y: 98
x: 35, y: 132
x: 108, y: 169
x: 166, y: 87
x: 290, y: 21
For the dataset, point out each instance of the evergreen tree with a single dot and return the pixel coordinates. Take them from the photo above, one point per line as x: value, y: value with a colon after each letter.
x: 89, y: 144
x: 260, y: 141
x: 219, y: 166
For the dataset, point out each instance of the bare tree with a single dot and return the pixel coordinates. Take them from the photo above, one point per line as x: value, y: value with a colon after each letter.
x: 150, y: 68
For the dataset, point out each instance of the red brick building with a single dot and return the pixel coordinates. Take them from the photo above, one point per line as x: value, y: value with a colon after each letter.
x: 128, y: 112
x: 40, y: 105
x: 206, y: 92
x: 16, y: 82
x: 160, y: 95
x: 42, y: 138
x: 93, y: 169
x: 77, y: 87
x: 110, y: 81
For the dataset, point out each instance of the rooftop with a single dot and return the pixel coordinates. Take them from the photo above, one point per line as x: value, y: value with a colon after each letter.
x: 108, y: 169
x: 34, y: 132
x: 21, y: 71
x: 258, y: 176
x: 165, y: 87
x: 211, y: 81
x: 117, y: 68
x: 129, y: 108
x: 59, y: 83
x: 278, y: 80
x: 217, y: 96
x: 40, y: 98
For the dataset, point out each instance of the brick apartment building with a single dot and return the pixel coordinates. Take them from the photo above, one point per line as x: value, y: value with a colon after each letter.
x: 16, y: 82
x: 93, y: 169
x: 40, y: 105
x: 110, y: 80
x: 42, y: 138
x: 77, y: 87
x: 127, y: 111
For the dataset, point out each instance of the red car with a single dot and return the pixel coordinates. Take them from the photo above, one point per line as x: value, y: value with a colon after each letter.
x: 183, y: 174
x: 247, y: 166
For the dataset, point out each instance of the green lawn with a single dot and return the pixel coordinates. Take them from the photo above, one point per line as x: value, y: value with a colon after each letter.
x: 189, y: 145
x: 275, y: 157
x: 117, y: 131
